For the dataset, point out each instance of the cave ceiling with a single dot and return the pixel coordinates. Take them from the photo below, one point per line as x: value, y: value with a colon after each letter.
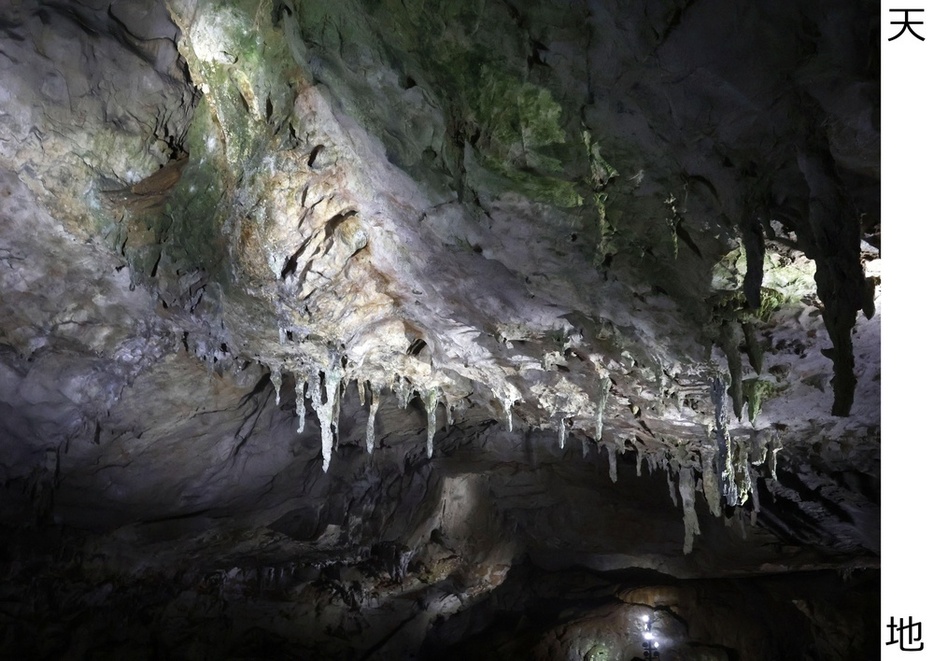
x: 288, y: 283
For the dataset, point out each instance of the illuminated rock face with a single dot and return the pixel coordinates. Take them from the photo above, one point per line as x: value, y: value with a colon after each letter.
x: 630, y: 252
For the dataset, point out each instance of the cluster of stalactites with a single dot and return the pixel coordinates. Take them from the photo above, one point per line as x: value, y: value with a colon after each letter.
x: 325, y: 400
x: 727, y: 463
x: 683, y: 479
x: 405, y: 390
x: 686, y: 483
x: 560, y: 422
x: 724, y: 470
x: 325, y: 390
x: 324, y: 387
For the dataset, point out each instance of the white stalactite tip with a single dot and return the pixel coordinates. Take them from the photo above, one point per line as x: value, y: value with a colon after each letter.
x: 276, y: 377
x: 326, y: 452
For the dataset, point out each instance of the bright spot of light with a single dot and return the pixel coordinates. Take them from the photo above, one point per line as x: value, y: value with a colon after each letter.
x: 645, y: 618
x: 648, y: 635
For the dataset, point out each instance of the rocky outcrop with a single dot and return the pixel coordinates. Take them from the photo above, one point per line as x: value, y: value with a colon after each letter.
x: 352, y: 307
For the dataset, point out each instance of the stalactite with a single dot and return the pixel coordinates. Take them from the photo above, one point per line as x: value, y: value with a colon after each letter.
x: 724, y: 444
x: 755, y: 506
x: 404, y: 391
x: 686, y: 487
x: 314, y: 390
x: 507, y: 398
x: 431, y: 404
x: 300, y: 402
x: 275, y: 376
x: 332, y: 383
x: 611, y: 454
x: 741, y: 472
x: 730, y: 345
x: 323, y: 411
x: 672, y: 491
x: 601, y: 406
x: 774, y: 446
x: 371, y: 419
x: 562, y: 432
x: 710, y: 481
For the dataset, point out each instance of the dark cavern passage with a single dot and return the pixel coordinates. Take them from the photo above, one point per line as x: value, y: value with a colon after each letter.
x: 423, y: 329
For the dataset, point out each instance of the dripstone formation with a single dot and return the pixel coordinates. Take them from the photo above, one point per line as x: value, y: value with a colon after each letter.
x: 389, y: 329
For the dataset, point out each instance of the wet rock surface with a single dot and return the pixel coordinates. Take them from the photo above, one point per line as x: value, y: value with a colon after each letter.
x: 419, y: 329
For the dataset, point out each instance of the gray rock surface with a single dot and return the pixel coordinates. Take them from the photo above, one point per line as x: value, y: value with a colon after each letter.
x: 599, y: 285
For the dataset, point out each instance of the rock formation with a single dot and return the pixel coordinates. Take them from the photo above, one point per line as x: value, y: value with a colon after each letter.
x: 421, y: 329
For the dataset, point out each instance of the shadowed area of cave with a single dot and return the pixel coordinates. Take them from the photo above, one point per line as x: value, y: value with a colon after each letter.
x: 410, y: 329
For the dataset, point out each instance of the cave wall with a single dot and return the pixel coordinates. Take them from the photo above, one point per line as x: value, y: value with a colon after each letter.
x: 358, y: 307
